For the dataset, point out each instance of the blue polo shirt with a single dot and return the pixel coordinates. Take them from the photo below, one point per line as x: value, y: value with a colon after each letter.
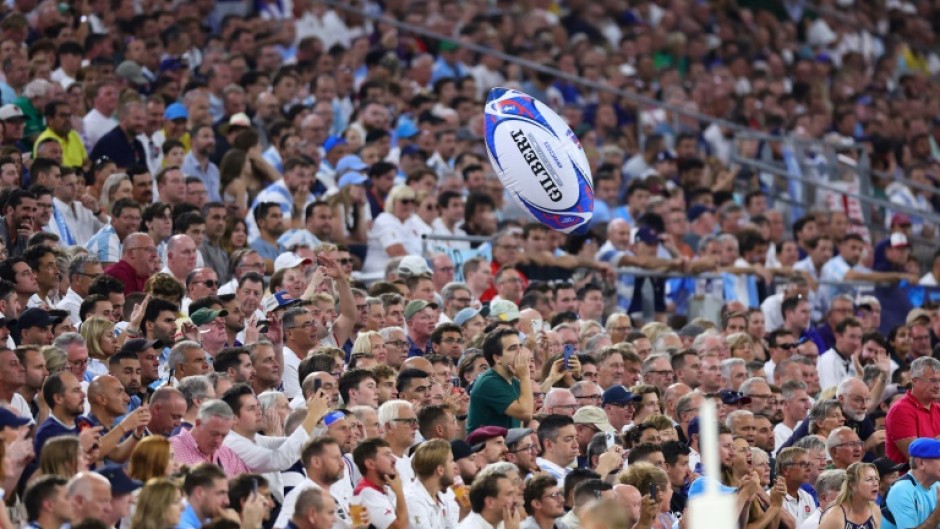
x: 910, y: 503
x: 53, y: 427
x: 189, y: 519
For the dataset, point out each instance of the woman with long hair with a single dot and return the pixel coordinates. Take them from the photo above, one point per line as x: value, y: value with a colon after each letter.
x: 99, y: 335
x: 352, y: 215
x: 159, y: 506
x: 854, y: 507
x: 116, y: 187
x: 234, y: 174
x: 153, y: 457
x: 62, y: 456
x: 825, y: 417
x: 236, y: 235
x: 371, y: 342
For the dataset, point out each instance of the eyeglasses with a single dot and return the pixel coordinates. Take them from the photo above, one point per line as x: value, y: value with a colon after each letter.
x: 558, y: 495
x: 931, y: 381
x: 451, y: 340
x: 801, y: 464
x: 788, y: 346
x: 396, y: 343
x: 530, y: 448
x: 211, y: 283
x: 593, y: 398
x: 78, y: 363
x: 409, y: 422
x: 346, y: 261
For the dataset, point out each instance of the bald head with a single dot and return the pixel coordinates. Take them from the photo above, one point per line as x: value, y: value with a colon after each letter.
x: 136, y: 240
x: 418, y: 362
x: 560, y: 401
x: 630, y: 496
x: 100, y: 386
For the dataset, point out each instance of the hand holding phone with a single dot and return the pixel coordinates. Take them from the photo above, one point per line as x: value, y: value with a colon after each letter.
x: 569, y: 350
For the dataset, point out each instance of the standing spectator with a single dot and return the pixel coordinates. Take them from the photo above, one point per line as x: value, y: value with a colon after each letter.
x: 503, y: 395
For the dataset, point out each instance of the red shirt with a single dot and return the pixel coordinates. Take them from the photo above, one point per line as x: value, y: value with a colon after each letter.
x: 125, y: 272
x: 909, y: 418
x: 490, y: 292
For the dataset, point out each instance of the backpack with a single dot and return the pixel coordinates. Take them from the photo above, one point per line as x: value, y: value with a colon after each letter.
x: 885, y: 511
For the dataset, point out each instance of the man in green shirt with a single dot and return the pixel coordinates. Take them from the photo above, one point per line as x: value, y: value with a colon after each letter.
x: 503, y: 395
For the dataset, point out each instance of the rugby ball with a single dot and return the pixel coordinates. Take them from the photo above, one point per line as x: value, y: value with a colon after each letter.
x: 539, y: 160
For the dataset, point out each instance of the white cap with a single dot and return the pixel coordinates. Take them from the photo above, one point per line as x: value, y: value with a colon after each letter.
x: 290, y: 260
x: 11, y: 111
x: 413, y: 265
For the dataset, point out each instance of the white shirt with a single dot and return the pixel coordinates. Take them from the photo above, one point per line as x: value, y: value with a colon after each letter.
x: 475, y: 521
x: 380, y: 504
x: 291, y: 374
x: 386, y: 231
x: 769, y: 368
x: 439, y: 228
x: 782, y: 432
x: 425, y: 512
x: 79, y: 219
x: 800, y: 507
x: 403, y: 467
x: 51, y: 299
x: 833, y: 369
x: 812, y: 522
x: 290, y: 502
x: 268, y: 455
x: 773, y: 319
x: 72, y: 302
x: 19, y: 404
x: 552, y: 469
x: 96, y: 125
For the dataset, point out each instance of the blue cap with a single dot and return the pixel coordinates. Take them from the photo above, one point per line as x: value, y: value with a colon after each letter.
x: 410, y: 149
x: 350, y: 162
x: 733, y: 397
x: 333, y: 417
x: 9, y: 419
x: 665, y: 156
x: 618, y: 395
x: 697, y: 211
x: 406, y: 129
x: 276, y: 301
x: 121, y: 483
x: 352, y: 178
x: 466, y: 314
x: 176, y: 111
x: 171, y: 64
x: 698, y: 487
x: 333, y: 141
x: 647, y: 235
x: 925, y: 448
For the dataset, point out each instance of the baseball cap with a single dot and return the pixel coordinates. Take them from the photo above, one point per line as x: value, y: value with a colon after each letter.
x: 485, y: 433
x: 618, y: 395
x: 277, y: 300
x: 900, y: 219
x: 468, y: 313
x: 413, y: 265
x: 697, y: 211
x: 350, y: 162
x: 205, y: 315
x: 665, y: 156
x: 239, y: 120
x: 139, y: 345
x: 916, y: 314
x: 352, y: 178
x: 595, y: 417
x: 8, y: 419
x: 647, y: 235
x: 334, y: 416
x: 290, y: 260
x: 176, y: 111
x: 333, y: 142
x: 416, y: 306
x: 691, y: 330
x: 121, y: 483
x: 406, y: 129
x: 693, y: 426
x: 171, y: 64
x: 925, y: 448
x: 886, y: 466
x: 699, y: 486
x: 11, y: 111
x: 504, y: 310
x: 34, y: 317
x: 899, y: 240
x: 733, y: 397
x: 131, y: 71
x: 462, y: 449
x: 514, y: 435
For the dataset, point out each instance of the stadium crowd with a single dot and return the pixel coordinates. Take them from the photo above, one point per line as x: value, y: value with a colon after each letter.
x: 257, y: 270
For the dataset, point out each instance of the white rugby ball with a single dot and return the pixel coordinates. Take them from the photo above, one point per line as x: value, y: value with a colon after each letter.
x: 539, y: 160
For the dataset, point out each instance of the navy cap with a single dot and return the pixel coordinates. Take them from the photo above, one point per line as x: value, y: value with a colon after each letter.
x: 10, y: 419
x: 121, y: 483
x: 697, y: 211
x: 665, y: 156
x: 139, y: 345
x: 34, y: 317
x: 618, y: 395
x: 925, y: 448
x: 647, y: 235
x: 462, y: 449
x: 733, y: 397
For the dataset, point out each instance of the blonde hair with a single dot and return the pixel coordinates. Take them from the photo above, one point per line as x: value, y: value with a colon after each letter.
x: 643, y: 476
x: 92, y: 329
x: 56, y: 358
x: 660, y: 422
x: 60, y: 456
x: 654, y: 329
x: 430, y: 455
x: 150, y: 458
x: 853, y: 478
x: 397, y: 193
x: 155, y: 500
x: 738, y: 340
x: 364, y: 342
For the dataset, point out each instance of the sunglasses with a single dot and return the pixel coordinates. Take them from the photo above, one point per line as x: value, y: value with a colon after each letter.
x: 211, y: 283
x: 407, y: 201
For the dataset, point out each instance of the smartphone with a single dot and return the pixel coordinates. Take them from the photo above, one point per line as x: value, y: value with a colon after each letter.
x: 569, y: 350
x: 653, y: 492
x: 316, y: 385
x: 264, y: 327
x: 455, y: 382
x: 254, y: 486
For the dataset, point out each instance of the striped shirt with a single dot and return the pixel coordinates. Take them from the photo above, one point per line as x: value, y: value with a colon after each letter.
x: 188, y: 453
x: 105, y: 245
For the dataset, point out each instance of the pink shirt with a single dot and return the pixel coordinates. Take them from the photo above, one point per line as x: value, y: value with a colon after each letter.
x: 184, y: 445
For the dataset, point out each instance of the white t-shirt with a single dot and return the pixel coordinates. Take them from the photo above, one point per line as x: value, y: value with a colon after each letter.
x: 380, y: 504
x: 800, y: 507
x: 386, y: 231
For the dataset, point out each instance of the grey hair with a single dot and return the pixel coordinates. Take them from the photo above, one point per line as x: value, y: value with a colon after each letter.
x: 922, y: 364
x: 844, y: 386
x: 591, y: 345
x: 447, y: 293
x: 833, y: 438
x: 868, y: 300
x: 746, y: 385
x: 177, y: 353
x: 371, y: 301
x: 704, y: 242
x: 658, y: 344
x: 612, y: 320
x: 790, y: 387
x: 390, y: 409
x: 387, y: 332
x: 80, y: 484
x: 729, y: 420
x: 37, y: 88
x: 501, y: 467
x: 820, y: 411
x: 194, y: 387
x: 698, y: 344
x: 811, y: 443
x: 685, y: 403
x: 759, y: 453
x: 64, y: 340
x: 79, y: 262
x: 830, y: 481
x: 253, y: 348
x: 648, y: 363
x: 842, y: 297
x: 268, y: 398
x: 729, y: 363
x: 214, y: 408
